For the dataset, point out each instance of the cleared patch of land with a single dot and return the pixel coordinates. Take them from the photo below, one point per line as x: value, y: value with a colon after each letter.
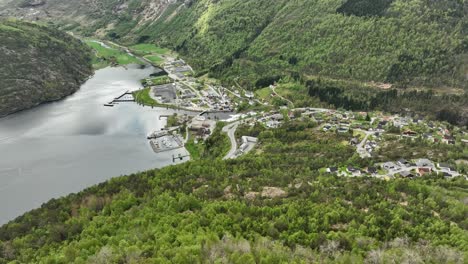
x: 106, y: 55
x: 148, y: 49
x: 154, y: 59
x: 150, y: 52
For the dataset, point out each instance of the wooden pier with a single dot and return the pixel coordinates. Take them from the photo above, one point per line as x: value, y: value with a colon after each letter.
x: 119, y: 99
x: 214, y: 112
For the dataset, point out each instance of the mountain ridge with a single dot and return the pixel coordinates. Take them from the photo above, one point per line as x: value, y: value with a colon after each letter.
x: 406, y: 43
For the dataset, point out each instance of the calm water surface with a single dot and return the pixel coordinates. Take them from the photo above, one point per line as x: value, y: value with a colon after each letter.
x: 63, y: 147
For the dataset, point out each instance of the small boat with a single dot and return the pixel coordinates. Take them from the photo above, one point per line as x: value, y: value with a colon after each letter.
x: 109, y: 105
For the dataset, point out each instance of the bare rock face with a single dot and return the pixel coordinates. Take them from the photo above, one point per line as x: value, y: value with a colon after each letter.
x: 273, y: 192
x: 251, y: 195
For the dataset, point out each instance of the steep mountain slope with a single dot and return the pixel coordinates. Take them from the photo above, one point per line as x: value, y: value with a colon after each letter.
x: 404, y: 42
x: 38, y: 64
x: 86, y: 17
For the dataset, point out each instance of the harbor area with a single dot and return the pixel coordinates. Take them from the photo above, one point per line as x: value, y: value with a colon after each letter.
x: 125, y: 97
x: 164, y: 140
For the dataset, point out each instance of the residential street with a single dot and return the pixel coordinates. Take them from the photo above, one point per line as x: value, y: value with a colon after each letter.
x: 360, y: 147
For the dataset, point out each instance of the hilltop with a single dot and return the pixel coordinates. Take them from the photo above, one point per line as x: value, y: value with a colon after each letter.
x: 38, y: 64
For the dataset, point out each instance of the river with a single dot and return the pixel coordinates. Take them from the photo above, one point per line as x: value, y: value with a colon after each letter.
x: 63, y: 147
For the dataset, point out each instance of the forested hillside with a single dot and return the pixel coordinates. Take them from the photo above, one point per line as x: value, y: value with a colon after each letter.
x: 38, y: 64
x: 405, y: 42
x: 273, y: 206
x: 353, y: 96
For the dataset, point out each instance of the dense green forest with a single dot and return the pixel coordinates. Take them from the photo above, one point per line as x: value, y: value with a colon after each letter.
x: 275, y: 205
x: 352, y: 96
x: 402, y: 42
x: 38, y: 64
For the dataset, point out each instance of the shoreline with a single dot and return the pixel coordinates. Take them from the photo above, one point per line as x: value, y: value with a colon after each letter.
x: 52, y: 100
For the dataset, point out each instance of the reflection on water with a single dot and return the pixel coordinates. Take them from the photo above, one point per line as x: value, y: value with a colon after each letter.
x: 66, y: 146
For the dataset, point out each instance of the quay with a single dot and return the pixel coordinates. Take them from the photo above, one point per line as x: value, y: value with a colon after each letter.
x: 166, y: 143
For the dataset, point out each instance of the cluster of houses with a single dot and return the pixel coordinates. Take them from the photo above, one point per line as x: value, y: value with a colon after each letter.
x: 181, y: 94
x: 432, y: 131
x: 401, y: 168
x: 272, y: 120
x: 341, y: 128
x: 202, y: 127
x: 368, y: 146
x: 420, y: 167
x: 341, y: 121
x: 178, y: 68
x: 216, y: 101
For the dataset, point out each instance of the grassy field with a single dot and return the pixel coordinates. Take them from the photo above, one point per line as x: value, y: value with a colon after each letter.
x: 148, y: 49
x: 143, y: 97
x: 161, y: 80
x: 264, y: 93
x: 150, y: 52
x: 155, y: 59
x: 108, y: 56
x: 194, y: 149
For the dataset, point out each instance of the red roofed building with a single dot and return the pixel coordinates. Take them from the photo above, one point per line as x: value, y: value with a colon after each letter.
x: 423, y: 171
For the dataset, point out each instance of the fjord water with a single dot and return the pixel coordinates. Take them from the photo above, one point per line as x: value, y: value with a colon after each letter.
x: 63, y: 147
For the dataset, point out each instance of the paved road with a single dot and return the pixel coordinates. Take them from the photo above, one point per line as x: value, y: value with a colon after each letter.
x: 360, y: 147
x: 231, y: 131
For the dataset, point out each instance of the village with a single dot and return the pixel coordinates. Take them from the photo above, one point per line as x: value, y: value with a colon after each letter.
x: 180, y: 90
x: 367, y: 131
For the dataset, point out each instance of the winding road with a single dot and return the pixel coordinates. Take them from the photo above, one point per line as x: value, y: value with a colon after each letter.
x: 231, y: 131
x: 285, y: 99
